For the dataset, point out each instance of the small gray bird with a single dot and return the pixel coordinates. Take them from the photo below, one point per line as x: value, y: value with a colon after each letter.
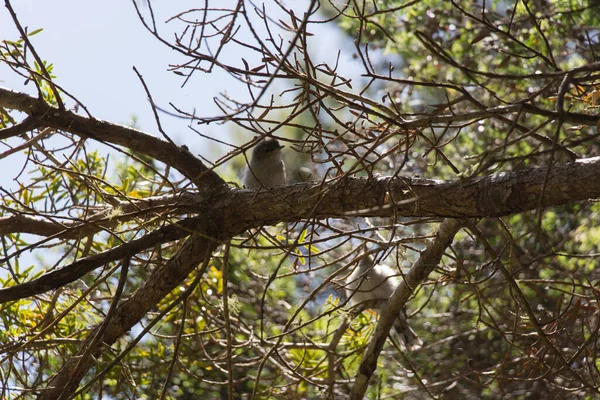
x: 266, y: 166
x: 370, y: 281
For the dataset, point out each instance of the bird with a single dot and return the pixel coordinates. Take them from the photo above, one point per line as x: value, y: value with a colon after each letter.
x: 266, y: 168
x: 372, y: 282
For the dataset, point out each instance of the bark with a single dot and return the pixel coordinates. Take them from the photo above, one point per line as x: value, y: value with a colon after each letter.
x: 46, y: 115
x: 428, y: 260
x: 235, y: 211
x: 489, y: 196
x: 162, y: 281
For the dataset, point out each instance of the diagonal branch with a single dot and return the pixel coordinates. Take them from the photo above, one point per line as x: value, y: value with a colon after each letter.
x: 428, y: 260
x: 235, y: 211
x: 77, y: 269
x: 104, y: 131
x: 160, y: 283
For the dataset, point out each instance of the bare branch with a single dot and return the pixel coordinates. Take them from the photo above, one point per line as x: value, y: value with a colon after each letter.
x: 162, y: 281
x: 79, y: 268
x: 104, y: 131
x: 428, y: 260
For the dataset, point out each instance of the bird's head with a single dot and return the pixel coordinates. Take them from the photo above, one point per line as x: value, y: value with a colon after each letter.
x: 267, y: 148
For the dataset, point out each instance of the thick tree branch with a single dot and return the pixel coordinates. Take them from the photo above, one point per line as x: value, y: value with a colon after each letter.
x: 491, y: 196
x: 235, y: 211
x: 168, y: 205
x: 160, y: 283
x: 26, y: 125
x: 77, y: 269
x: 428, y: 260
x: 104, y: 131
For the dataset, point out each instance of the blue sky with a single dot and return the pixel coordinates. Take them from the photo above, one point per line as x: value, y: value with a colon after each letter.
x: 94, y: 47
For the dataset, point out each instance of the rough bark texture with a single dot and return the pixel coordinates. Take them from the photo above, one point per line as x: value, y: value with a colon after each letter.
x: 491, y: 196
x: 103, y: 131
x: 429, y: 259
x: 236, y: 211
x: 223, y: 212
x: 162, y: 281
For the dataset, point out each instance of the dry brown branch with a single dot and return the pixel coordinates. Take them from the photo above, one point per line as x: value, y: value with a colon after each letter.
x: 499, y: 107
x: 427, y: 262
x: 104, y: 131
x: 235, y: 211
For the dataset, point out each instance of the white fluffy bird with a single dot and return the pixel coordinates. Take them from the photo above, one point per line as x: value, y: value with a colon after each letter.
x: 370, y: 281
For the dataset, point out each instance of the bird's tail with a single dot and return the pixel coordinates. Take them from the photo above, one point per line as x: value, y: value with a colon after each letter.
x: 408, y: 337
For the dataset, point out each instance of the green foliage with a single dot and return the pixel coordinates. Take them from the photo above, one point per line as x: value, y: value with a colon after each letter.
x: 284, y: 304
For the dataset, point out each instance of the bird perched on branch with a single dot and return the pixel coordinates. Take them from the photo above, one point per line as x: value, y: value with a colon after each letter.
x: 266, y: 167
x: 375, y: 283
